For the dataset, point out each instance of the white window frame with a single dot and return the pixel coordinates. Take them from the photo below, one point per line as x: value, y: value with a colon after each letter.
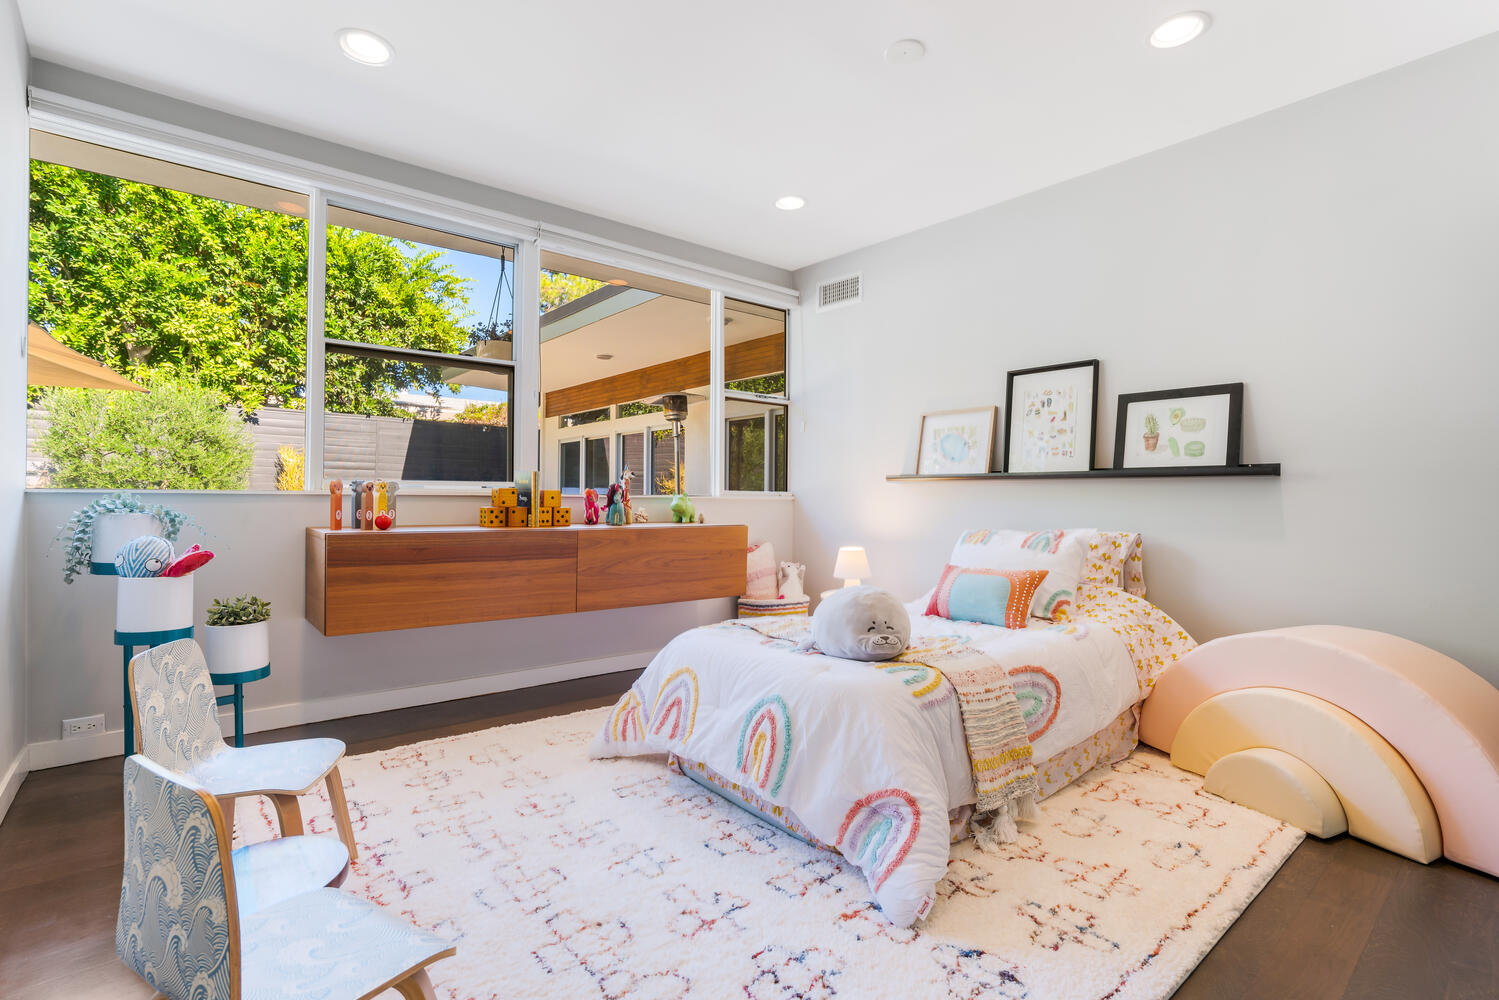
x: 582, y: 440
x: 60, y: 114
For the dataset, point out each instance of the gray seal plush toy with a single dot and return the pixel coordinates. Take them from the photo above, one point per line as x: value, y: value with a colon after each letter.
x: 861, y: 623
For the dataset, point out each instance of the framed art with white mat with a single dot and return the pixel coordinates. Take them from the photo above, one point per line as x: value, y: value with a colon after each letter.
x: 1180, y: 428
x: 956, y: 442
x: 1051, y: 416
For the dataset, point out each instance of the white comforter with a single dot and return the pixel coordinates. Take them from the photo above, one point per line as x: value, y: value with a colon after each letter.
x: 870, y: 757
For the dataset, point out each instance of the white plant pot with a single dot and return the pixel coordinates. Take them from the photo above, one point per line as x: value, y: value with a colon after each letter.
x: 234, y: 649
x: 154, y: 603
x: 113, y: 530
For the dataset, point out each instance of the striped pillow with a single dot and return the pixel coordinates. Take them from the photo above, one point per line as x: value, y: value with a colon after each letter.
x: 992, y: 596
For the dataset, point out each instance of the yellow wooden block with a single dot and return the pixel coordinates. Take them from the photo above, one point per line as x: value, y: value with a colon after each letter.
x: 515, y: 517
x: 491, y: 517
x: 551, y: 498
x: 504, y: 496
x: 544, y: 517
x: 562, y: 516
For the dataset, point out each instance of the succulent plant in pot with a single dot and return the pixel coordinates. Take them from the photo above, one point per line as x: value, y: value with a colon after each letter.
x: 237, y: 637
x: 95, y: 532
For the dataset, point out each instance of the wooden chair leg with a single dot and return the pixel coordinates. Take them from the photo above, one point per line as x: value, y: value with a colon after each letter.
x: 289, y: 813
x: 417, y: 986
x: 340, y: 806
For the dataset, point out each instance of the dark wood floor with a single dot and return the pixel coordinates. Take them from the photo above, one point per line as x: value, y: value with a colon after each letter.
x: 1340, y: 920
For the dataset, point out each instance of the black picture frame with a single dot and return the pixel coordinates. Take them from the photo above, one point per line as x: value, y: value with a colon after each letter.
x: 1233, y: 447
x: 1010, y: 406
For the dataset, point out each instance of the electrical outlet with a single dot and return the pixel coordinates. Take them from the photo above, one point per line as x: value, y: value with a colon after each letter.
x: 86, y: 726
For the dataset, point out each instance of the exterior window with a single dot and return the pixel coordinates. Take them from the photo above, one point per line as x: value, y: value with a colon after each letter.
x: 755, y: 401
x: 631, y: 351
x: 186, y: 283
x: 417, y: 385
x: 596, y: 463
x: 570, y: 466
x: 586, y: 417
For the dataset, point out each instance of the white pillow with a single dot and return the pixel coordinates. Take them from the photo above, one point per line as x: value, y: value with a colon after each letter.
x: 1058, y: 552
x: 760, y: 572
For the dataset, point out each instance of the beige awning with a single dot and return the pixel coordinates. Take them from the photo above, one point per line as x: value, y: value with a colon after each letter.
x: 50, y: 363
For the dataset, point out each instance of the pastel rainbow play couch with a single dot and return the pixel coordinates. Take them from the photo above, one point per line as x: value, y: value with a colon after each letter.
x: 1336, y: 729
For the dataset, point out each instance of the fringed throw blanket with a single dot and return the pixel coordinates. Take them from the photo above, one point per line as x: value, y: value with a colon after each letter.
x: 1004, y: 773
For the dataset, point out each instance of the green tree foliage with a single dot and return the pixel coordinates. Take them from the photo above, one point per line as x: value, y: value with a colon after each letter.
x: 162, y: 283
x: 559, y: 287
x: 178, y: 436
x: 494, y: 414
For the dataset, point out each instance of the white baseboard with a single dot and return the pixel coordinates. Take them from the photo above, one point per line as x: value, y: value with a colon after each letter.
x: 111, y: 743
x: 11, y: 784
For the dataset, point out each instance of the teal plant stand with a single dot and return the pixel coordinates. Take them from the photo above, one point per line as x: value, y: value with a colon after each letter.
x: 237, y: 696
x: 130, y: 640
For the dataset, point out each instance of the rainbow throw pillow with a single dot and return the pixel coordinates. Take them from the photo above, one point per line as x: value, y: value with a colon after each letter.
x: 992, y: 596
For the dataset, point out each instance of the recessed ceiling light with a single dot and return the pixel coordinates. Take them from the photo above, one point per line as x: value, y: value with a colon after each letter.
x: 1180, y: 29
x: 904, y: 52
x: 604, y: 357
x: 365, y: 46
x: 790, y: 203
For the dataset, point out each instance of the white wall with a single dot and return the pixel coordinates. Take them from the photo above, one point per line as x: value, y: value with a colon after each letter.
x: 1339, y: 256
x: 13, y: 208
x: 258, y: 541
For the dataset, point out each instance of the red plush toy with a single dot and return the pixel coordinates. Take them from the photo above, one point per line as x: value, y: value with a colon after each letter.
x: 187, y: 562
x: 382, y: 520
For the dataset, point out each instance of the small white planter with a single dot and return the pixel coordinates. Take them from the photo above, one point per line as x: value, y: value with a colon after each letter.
x: 154, y: 603
x: 234, y: 649
x: 113, y: 530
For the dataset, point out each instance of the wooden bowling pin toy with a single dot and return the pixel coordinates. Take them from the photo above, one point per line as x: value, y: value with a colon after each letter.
x: 367, y: 505
x: 356, y: 498
x: 390, y: 502
x: 335, y: 505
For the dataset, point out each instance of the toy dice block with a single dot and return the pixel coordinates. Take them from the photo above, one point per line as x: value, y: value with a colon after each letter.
x: 562, y: 517
x: 544, y: 517
x: 515, y: 517
x: 491, y: 517
x: 504, y: 497
x: 551, y: 498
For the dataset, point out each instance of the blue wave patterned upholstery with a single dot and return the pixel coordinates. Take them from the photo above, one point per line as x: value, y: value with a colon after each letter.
x: 179, y: 728
x: 175, y: 926
x: 328, y: 945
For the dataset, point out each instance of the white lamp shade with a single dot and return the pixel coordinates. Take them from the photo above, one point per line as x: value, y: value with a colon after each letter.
x: 852, y: 563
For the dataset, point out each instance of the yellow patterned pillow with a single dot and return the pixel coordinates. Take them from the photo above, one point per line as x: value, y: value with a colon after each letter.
x: 1115, y: 559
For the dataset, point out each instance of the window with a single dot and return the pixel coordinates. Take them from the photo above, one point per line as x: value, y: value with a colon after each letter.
x: 570, y: 466
x: 625, y: 355
x: 187, y: 283
x: 583, y: 463
x: 418, y: 381
x: 755, y: 402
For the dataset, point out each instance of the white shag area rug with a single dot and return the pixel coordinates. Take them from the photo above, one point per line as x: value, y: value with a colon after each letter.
x: 561, y: 877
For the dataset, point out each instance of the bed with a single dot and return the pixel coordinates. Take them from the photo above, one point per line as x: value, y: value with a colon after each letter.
x: 870, y: 759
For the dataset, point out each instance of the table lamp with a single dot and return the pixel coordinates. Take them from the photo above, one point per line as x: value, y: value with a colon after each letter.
x: 852, y: 565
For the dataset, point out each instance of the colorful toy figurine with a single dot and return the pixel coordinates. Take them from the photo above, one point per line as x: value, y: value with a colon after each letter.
x: 624, y: 488
x: 590, y: 506
x: 382, y: 496
x: 335, y: 505
x: 390, y: 501
x: 147, y: 555
x: 356, y: 502
x: 682, y: 510
x: 367, y: 506
x: 188, y: 561
x: 614, y: 513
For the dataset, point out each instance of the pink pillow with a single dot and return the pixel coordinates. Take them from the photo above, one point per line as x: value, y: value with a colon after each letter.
x: 992, y: 596
x: 760, y: 572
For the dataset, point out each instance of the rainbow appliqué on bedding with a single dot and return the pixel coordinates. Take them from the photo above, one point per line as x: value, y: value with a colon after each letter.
x: 765, y: 744
x: 676, y: 703
x: 627, y: 722
x: 878, y: 832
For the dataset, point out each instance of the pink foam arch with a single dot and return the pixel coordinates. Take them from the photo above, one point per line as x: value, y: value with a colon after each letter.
x: 1442, y: 717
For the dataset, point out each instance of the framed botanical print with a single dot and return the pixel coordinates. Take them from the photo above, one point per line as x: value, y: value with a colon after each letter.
x: 1051, y: 415
x: 956, y: 442
x: 1200, y: 426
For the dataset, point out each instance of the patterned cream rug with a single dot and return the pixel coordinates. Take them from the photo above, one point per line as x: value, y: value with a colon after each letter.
x: 561, y: 877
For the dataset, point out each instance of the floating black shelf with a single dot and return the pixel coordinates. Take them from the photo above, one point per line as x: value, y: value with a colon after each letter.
x: 1262, y: 469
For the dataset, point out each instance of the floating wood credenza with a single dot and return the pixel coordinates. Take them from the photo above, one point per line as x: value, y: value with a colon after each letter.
x: 378, y: 581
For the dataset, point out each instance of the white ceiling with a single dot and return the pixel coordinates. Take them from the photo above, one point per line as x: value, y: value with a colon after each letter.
x: 691, y: 118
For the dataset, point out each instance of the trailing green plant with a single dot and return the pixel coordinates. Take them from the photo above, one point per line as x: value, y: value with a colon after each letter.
x: 79, y: 531
x: 1152, y: 425
x: 242, y: 610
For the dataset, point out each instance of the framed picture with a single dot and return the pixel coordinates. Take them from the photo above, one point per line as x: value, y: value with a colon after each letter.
x: 1180, y: 427
x: 956, y: 442
x: 1051, y: 414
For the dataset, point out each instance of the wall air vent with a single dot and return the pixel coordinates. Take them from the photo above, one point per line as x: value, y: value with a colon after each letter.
x: 840, y: 292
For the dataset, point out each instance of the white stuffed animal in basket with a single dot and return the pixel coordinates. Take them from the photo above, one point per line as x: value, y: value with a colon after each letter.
x: 789, y: 581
